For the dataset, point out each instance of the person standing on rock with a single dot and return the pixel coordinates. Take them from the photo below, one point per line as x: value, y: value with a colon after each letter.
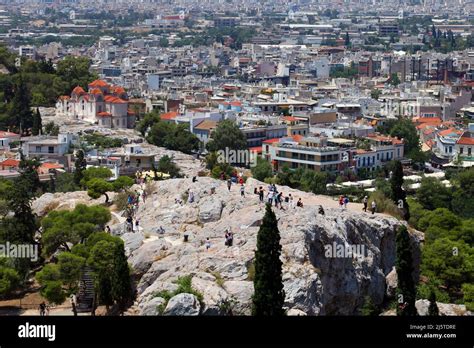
x: 242, y: 190
x: 300, y: 203
x: 260, y: 194
x: 280, y: 200
x: 208, y: 244
x: 374, y: 207
x: 291, y: 201
x: 144, y: 196
x: 346, y: 201
x: 229, y: 184
x: 365, y: 201
x: 270, y: 197
x: 341, y: 201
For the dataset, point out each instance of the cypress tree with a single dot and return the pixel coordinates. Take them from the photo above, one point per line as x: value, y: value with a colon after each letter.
x: 79, y: 166
x: 20, y: 110
x: 19, y: 200
x: 120, y: 279
x: 433, y: 310
x: 347, y: 41
x: 406, y: 292
x: 398, y: 195
x: 269, y: 295
x: 37, y: 123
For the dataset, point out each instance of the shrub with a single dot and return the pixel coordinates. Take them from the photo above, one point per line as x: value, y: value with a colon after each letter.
x: 184, y: 287
x: 385, y: 204
x: 121, y: 200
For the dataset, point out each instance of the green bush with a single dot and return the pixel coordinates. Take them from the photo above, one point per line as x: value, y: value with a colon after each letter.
x: 184, y: 287
x: 384, y: 204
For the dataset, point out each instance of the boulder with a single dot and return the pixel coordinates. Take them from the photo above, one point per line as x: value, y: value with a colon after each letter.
x: 183, y: 305
x: 142, y: 258
x: 445, y: 309
x: 210, y: 209
x: 152, y: 307
x: 392, y: 282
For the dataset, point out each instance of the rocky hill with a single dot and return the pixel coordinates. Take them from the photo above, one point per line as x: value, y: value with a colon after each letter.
x: 314, y: 284
x: 221, y: 277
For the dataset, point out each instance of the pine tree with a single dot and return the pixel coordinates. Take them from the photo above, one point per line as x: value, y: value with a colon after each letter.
x: 433, y: 310
x: 406, y: 292
x: 398, y: 195
x: 80, y: 165
x: 37, y: 123
x: 120, y: 279
x: 269, y: 295
x: 20, y: 113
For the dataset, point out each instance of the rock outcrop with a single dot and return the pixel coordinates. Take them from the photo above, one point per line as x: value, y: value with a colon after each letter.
x: 315, y: 282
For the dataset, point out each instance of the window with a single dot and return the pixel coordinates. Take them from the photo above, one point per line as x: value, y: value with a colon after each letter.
x: 378, y: 156
x: 398, y: 152
x: 461, y: 150
x: 38, y: 149
x: 469, y: 151
x: 50, y: 149
x: 139, y: 162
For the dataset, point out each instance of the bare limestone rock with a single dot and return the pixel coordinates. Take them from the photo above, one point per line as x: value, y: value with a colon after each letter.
x: 183, y: 304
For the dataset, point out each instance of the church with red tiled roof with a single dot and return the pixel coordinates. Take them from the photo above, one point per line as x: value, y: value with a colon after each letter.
x: 102, y: 104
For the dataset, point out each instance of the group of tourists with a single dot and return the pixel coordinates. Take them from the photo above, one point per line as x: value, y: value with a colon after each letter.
x: 274, y: 197
x: 343, y: 201
x: 373, y: 205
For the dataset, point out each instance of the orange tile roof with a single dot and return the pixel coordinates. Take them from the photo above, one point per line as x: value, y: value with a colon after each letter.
x: 271, y: 141
x: 435, y: 120
x: 236, y: 103
x: 449, y: 131
x: 118, y: 90
x: 98, y: 83
x: 104, y: 114
x: 78, y: 90
x: 169, y: 115
x: 49, y: 165
x: 290, y: 118
x: 257, y: 149
x: 64, y: 97
x: 297, y: 137
x: 465, y: 139
x: 10, y: 162
x: 114, y: 100
x: 95, y: 91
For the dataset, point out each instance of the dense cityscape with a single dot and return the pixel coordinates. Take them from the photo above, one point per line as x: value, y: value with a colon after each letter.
x: 303, y: 158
